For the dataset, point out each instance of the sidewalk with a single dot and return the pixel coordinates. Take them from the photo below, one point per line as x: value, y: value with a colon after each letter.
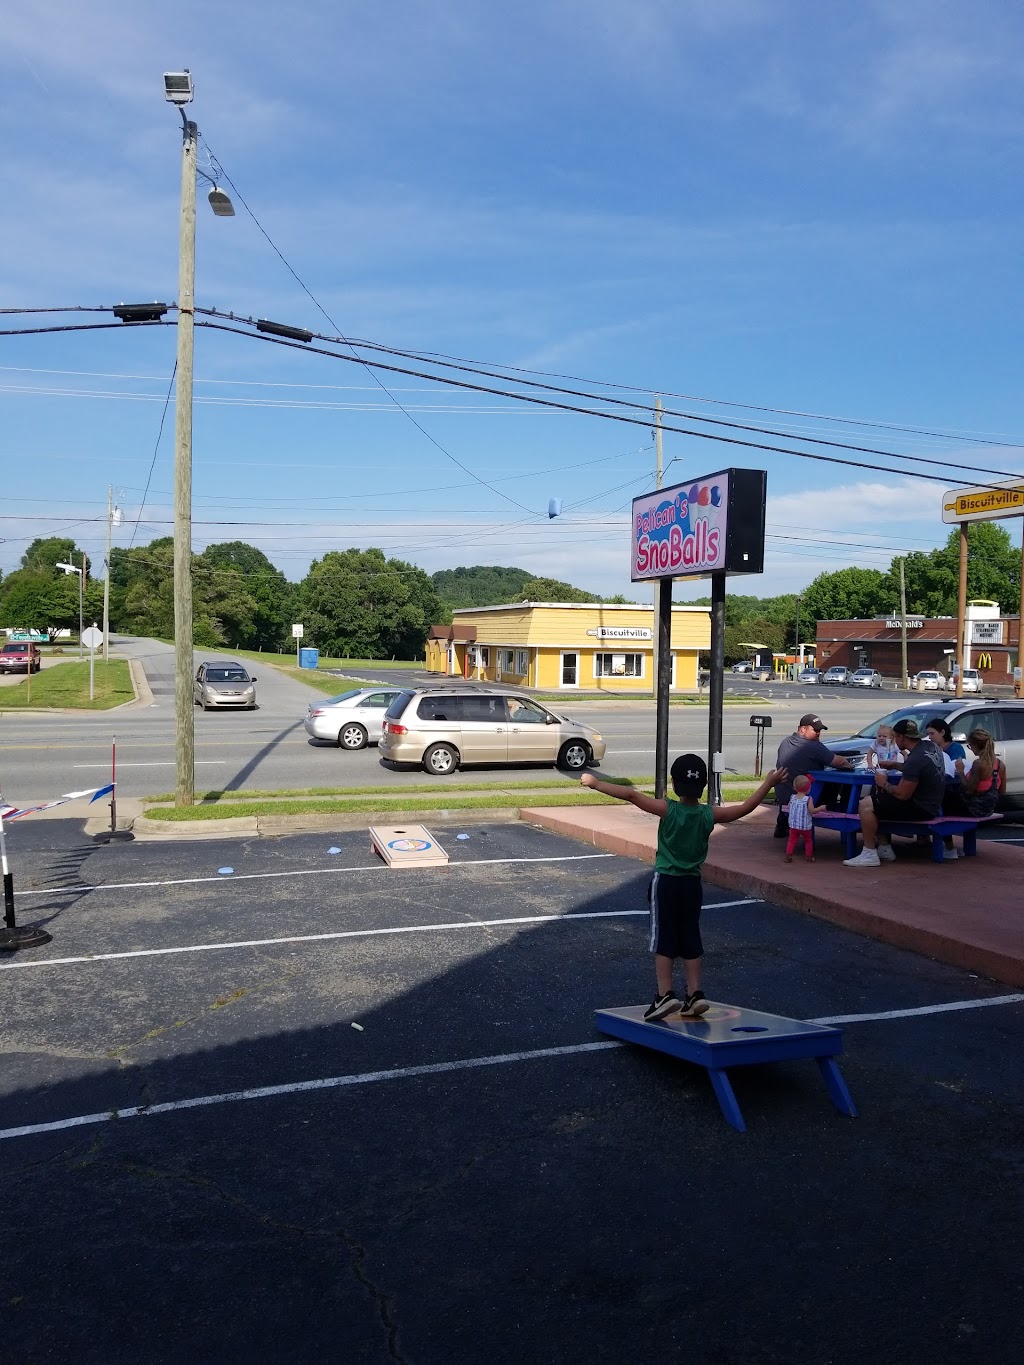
x: 968, y: 913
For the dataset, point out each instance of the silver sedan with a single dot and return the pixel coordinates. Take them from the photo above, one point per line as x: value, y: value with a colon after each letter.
x: 866, y: 677
x: 352, y: 719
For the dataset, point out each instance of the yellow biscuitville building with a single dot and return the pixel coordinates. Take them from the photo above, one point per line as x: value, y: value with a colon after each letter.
x: 567, y: 646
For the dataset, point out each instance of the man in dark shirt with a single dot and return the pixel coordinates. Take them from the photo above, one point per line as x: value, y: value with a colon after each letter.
x: 917, y: 796
x: 800, y: 753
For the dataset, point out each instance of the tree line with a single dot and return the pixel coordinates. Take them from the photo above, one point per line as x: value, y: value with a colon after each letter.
x: 361, y: 604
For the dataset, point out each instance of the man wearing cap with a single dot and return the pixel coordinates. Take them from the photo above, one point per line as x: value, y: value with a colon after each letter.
x: 801, y: 753
x: 917, y: 796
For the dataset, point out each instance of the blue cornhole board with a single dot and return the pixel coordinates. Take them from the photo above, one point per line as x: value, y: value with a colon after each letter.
x: 730, y: 1036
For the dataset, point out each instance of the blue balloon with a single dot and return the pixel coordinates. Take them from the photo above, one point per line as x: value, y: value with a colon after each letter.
x: 555, y: 507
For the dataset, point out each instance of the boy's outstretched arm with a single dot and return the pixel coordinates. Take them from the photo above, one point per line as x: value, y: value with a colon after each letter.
x: 724, y: 815
x: 630, y: 794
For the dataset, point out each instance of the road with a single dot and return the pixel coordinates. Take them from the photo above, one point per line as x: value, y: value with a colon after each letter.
x: 44, y: 755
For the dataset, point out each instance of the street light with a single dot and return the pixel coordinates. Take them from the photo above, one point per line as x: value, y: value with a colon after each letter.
x: 73, y: 568
x: 178, y: 90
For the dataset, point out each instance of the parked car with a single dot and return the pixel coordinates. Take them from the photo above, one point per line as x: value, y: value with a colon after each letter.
x: 744, y: 666
x: 19, y: 656
x: 866, y: 677
x: 972, y: 680
x: 352, y: 719
x: 444, y: 730
x: 810, y: 675
x: 1004, y: 720
x: 837, y: 674
x: 928, y: 680
x: 222, y: 682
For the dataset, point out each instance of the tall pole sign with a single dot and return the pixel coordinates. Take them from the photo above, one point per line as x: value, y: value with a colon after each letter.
x: 709, y: 528
x: 987, y: 502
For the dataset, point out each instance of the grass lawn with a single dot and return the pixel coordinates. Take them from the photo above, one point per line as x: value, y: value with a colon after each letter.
x: 67, y: 686
x: 325, y: 661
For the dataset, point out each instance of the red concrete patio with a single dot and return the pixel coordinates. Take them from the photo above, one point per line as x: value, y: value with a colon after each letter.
x: 968, y: 913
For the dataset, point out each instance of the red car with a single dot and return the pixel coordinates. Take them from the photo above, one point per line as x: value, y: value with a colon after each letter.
x: 19, y: 656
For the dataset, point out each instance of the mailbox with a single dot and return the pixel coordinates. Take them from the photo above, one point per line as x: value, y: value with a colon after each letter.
x: 761, y: 722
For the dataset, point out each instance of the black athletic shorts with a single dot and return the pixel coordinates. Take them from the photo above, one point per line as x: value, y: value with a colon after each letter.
x: 889, y: 807
x: 675, y: 915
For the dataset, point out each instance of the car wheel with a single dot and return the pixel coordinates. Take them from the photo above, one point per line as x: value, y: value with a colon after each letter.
x: 574, y: 755
x: 352, y: 736
x: 440, y: 760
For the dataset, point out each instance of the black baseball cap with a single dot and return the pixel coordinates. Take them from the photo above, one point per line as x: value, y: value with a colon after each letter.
x: 689, y: 775
x: 908, y: 728
x: 812, y: 719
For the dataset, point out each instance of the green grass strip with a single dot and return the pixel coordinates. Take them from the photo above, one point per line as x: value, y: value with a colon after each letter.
x: 66, y: 686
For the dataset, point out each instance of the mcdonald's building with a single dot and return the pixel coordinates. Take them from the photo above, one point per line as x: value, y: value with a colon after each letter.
x: 991, y: 643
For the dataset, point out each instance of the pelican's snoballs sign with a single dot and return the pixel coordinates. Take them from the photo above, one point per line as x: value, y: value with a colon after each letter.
x: 713, y: 525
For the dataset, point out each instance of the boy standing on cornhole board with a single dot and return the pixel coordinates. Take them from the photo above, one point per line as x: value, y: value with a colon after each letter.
x: 676, y: 892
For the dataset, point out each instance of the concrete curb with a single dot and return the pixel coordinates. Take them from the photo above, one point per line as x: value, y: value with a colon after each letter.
x: 269, y: 826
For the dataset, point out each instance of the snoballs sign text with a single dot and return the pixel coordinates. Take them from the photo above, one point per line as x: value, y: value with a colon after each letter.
x: 713, y: 525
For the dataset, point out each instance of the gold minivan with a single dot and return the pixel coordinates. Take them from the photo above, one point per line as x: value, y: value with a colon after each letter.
x: 444, y: 730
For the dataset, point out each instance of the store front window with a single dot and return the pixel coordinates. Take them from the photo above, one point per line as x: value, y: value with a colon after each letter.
x: 618, y: 665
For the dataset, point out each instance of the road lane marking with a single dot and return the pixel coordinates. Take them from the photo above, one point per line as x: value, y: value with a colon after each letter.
x: 337, y: 934
x: 158, y: 763
x: 299, y: 872
x: 407, y: 1073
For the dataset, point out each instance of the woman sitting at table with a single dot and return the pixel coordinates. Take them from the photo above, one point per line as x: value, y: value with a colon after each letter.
x: 941, y: 736
x: 981, y: 786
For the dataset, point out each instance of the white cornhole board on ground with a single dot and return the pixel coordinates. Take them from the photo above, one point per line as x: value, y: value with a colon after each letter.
x: 407, y: 846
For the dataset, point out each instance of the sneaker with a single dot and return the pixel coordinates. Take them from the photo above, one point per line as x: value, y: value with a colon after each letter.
x: 697, y: 1003
x: 950, y: 855
x: 886, y: 853
x: 788, y: 858
x: 662, y: 1005
x: 867, y: 857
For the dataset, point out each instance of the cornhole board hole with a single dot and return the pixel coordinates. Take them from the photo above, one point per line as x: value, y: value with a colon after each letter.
x: 730, y: 1036
x: 406, y: 846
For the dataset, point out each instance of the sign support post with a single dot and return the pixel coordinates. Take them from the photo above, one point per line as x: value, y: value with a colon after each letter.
x: 1018, y: 674
x: 961, y: 611
x: 716, y: 690
x: 663, y: 645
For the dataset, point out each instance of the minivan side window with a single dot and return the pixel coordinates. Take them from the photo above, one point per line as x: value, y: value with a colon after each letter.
x: 485, y: 710
x: 438, y: 708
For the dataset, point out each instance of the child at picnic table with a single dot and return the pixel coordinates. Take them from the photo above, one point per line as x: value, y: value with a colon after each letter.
x: 801, y: 813
x: 676, y: 892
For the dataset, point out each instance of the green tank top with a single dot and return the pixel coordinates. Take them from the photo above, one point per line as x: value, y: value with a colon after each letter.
x: 683, y: 839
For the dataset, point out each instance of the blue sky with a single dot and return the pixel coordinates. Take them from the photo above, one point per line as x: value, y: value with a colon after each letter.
x: 790, y: 206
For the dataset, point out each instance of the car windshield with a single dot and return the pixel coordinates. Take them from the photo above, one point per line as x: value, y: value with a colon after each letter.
x: 938, y: 709
x: 15, y: 649
x: 344, y: 696
x: 863, y: 673
x: 235, y: 675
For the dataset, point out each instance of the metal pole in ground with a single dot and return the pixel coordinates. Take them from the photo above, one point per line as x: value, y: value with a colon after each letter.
x: 663, y: 680
x: 961, y: 611
x: 716, y: 689
x: 11, y: 937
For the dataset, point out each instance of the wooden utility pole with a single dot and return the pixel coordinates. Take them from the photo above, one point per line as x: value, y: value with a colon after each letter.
x: 184, y: 712
x: 1018, y: 686
x: 961, y: 611
x: 658, y: 476
x: 903, y: 622
x: 106, y: 577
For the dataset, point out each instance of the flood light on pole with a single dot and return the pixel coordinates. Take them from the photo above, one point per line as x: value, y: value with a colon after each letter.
x: 178, y: 87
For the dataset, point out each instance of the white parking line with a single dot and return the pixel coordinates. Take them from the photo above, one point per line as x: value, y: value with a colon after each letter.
x: 301, y: 872
x: 954, y: 1005
x: 406, y: 1072
x: 336, y: 934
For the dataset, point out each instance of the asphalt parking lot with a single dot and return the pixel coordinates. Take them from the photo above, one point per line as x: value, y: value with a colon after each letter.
x: 547, y: 1199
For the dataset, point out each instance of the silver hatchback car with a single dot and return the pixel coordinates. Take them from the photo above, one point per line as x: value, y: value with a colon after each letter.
x: 222, y: 682
x: 444, y: 730
x: 352, y: 719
